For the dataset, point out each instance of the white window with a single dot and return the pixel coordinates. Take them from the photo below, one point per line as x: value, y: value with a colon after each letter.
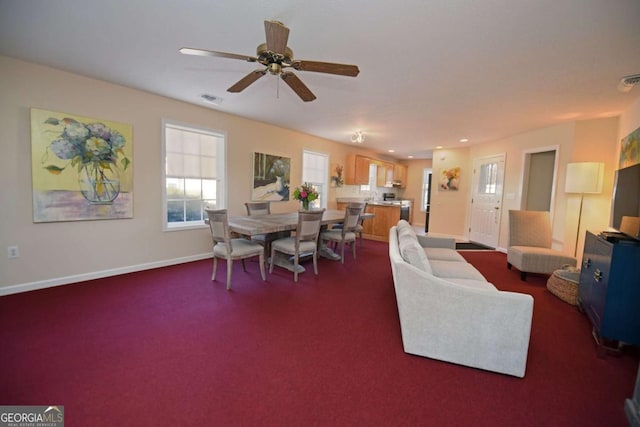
x: 426, y: 189
x: 194, y: 172
x: 315, y: 171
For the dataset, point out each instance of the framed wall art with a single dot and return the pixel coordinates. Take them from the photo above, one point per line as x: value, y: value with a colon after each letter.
x: 450, y: 179
x: 630, y: 149
x: 81, y: 167
x: 271, y: 177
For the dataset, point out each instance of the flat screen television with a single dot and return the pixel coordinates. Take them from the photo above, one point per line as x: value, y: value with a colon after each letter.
x: 626, y: 195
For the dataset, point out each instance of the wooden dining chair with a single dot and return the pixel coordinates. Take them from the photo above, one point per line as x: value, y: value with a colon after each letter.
x: 359, y: 228
x: 304, y: 242
x: 346, y: 233
x: 256, y: 209
x: 231, y: 249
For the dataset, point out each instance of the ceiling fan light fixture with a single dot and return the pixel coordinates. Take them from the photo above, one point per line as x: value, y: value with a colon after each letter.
x: 358, y: 137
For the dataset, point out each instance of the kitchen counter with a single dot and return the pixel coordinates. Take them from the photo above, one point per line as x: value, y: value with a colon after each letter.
x: 387, y: 213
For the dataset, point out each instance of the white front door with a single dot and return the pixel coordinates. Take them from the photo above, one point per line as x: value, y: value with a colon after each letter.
x: 486, y: 202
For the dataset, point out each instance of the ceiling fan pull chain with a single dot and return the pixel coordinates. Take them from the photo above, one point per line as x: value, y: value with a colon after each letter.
x: 278, y: 87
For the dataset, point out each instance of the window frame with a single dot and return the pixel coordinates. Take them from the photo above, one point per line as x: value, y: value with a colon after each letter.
x: 324, y: 193
x: 221, y: 177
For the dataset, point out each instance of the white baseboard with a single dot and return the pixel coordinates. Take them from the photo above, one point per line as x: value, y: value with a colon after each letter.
x: 32, y: 286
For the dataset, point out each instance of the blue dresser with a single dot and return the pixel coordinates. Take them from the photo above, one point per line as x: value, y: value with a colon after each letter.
x: 609, y: 288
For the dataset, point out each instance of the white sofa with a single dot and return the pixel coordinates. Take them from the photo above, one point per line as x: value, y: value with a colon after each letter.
x: 448, y: 311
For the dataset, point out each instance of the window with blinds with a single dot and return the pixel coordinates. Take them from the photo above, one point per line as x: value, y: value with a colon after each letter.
x: 315, y: 170
x: 194, y: 174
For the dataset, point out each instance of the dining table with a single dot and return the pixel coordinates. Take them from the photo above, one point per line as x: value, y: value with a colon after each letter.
x: 277, y: 223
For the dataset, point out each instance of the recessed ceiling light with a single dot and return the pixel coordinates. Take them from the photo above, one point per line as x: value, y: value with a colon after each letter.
x: 392, y: 151
x: 411, y: 157
x: 211, y: 99
x: 438, y: 147
x: 464, y: 140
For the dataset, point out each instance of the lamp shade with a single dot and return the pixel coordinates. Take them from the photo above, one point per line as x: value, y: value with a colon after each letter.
x: 585, y: 177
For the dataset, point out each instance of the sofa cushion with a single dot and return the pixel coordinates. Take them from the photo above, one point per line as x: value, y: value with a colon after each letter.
x: 478, y: 284
x: 455, y: 270
x: 404, y: 228
x: 412, y: 252
x: 443, y: 254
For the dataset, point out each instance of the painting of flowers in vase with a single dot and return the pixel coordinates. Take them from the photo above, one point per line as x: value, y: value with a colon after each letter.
x: 450, y: 179
x: 81, y: 167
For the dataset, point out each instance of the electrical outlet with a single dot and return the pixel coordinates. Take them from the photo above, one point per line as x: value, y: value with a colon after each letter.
x: 13, y: 252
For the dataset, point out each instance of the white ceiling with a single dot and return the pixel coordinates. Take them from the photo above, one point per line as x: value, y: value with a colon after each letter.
x: 431, y: 71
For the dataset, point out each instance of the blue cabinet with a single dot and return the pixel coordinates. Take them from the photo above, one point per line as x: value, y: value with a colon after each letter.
x: 609, y: 289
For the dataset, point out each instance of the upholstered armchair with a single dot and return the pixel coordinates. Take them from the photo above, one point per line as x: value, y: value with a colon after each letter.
x: 530, y: 244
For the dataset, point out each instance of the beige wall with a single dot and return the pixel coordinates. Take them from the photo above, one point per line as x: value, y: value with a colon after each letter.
x: 64, y: 252
x: 58, y: 253
x: 590, y: 140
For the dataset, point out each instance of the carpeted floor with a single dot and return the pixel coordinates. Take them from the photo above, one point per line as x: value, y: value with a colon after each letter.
x: 170, y: 347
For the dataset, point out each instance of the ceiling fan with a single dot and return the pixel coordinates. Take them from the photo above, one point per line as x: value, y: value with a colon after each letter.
x: 276, y: 56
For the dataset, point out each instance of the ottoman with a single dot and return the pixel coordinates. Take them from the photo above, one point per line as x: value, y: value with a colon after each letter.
x: 564, y: 284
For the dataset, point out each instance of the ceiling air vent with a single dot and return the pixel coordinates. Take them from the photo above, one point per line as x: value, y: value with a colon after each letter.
x: 211, y: 99
x: 628, y: 82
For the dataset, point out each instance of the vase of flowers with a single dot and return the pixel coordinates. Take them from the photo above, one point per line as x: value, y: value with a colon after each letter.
x: 94, y: 150
x: 306, y: 194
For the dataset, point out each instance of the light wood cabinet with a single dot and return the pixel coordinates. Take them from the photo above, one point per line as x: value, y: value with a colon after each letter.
x: 400, y: 174
x: 377, y: 228
x: 357, y: 170
x: 384, y: 176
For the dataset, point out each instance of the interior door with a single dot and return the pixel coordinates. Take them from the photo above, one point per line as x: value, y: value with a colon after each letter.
x: 486, y: 200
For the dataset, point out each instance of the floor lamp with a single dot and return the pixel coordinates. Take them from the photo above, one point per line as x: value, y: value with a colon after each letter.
x: 583, y: 178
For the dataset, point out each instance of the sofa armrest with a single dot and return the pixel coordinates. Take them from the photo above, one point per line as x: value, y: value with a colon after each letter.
x: 437, y: 242
x: 483, y: 329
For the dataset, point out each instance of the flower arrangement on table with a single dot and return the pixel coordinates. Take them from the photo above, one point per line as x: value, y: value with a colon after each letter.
x: 306, y: 194
x: 94, y: 150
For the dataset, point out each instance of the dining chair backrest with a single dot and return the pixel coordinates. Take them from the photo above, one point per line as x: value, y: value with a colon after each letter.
x: 258, y: 208
x: 219, y: 225
x: 308, y: 228
x: 351, y: 217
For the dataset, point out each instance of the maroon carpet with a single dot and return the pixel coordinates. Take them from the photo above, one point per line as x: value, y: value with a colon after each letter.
x: 170, y: 347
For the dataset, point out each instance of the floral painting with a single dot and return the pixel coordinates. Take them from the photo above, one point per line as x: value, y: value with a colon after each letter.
x: 630, y: 149
x: 271, y: 175
x: 450, y: 179
x: 81, y: 168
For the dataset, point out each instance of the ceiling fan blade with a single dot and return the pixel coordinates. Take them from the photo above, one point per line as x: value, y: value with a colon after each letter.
x: 277, y: 36
x: 244, y: 82
x: 203, y: 52
x: 298, y: 87
x: 327, y: 67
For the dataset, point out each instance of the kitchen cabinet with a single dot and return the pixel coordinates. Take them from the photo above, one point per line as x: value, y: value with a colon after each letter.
x: 357, y: 170
x: 377, y: 228
x: 400, y: 174
x: 384, y: 176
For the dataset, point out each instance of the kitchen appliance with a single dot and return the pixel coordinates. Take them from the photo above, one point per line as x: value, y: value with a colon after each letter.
x: 405, y: 205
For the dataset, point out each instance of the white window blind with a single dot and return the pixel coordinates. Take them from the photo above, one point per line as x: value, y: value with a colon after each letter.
x: 315, y: 170
x: 193, y: 175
